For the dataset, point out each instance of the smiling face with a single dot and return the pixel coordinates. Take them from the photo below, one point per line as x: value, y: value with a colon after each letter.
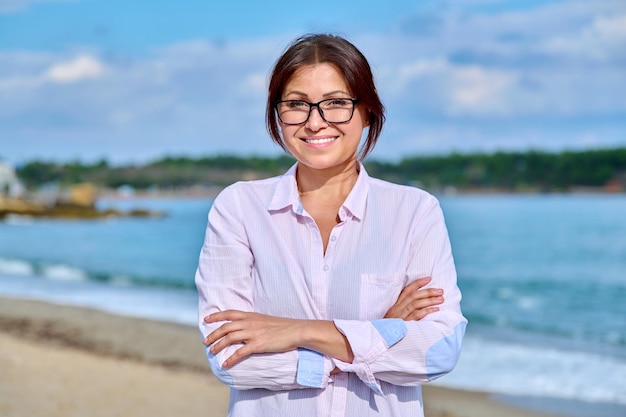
x: 317, y: 144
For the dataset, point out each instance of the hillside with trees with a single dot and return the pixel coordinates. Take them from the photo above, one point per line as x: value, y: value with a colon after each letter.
x: 532, y: 171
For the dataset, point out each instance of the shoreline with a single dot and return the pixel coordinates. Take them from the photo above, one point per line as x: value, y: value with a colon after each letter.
x: 60, y: 360
x: 211, y: 193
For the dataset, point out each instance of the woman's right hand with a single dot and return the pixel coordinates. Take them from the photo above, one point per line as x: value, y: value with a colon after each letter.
x: 414, y: 302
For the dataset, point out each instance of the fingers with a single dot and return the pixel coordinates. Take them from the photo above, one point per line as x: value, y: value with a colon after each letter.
x: 239, y: 354
x: 232, y: 317
x: 222, y: 332
x: 420, y: 314
x: 254, y: 332
x: 419, y: 283
x: 226, y: 315
x: 416, y: 309
x: 416, y: 302
x: 227, y: 335
x: 416, y: 291
x: 425, y: 298
x: 413, y: 287
x: 424, y: 303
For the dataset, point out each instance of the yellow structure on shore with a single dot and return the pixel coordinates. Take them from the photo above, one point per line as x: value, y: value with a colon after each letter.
x: 76, y: 202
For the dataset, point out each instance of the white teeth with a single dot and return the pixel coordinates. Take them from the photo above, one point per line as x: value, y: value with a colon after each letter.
x: 319, y: 141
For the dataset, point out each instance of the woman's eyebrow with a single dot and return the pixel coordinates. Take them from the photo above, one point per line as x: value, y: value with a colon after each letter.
x: 331, y: 93
x: 296, y: 92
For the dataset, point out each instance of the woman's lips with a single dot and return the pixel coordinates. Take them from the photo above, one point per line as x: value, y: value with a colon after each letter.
x: 319, y: 141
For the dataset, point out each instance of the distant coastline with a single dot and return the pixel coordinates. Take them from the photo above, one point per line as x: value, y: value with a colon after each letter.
x: 531, y: 172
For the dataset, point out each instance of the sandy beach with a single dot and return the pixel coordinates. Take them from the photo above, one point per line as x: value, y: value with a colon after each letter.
x: 60, y: 361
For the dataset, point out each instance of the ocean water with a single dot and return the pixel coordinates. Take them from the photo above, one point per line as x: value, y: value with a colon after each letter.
x: 543, y: 280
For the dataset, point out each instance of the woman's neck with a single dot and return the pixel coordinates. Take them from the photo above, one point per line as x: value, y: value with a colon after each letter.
x: 328, y: 184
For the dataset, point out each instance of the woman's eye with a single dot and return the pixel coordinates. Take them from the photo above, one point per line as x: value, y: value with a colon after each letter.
x: 338, y: 102
x: 297, y: 104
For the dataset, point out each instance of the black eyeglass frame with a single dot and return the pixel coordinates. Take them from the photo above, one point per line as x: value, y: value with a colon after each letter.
x: 319, y: 109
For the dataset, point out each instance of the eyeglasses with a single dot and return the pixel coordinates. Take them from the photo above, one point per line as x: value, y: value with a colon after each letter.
x: 332, y: 110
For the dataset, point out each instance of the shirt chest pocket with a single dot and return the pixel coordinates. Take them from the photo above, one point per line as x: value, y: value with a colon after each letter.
x: 378, y: 293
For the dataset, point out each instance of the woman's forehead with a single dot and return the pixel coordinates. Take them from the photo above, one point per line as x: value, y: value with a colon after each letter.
x: 314, y: 77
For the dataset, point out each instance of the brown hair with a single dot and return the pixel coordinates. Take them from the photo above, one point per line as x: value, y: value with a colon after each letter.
x: 335, y: 50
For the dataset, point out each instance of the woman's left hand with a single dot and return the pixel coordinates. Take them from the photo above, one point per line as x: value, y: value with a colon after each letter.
x: 259, y: 333
x: 416, y: 302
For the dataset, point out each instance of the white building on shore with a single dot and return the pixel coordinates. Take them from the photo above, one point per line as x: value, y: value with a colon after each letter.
x: 10, y: 185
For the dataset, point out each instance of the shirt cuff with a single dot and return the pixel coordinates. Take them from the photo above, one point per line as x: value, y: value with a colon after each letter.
x: 391, y: 330
x: 368, y: 340
x: 312, y: 368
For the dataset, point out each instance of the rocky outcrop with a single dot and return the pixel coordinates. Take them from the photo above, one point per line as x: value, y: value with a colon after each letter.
x: 77, y: 203
x: 65, y: 210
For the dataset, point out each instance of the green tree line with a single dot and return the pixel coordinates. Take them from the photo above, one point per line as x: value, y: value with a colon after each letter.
x: 514, y: 171
x: 503, y: 171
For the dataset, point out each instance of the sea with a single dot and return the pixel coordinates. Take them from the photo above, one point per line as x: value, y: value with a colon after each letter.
x: 543, y: 279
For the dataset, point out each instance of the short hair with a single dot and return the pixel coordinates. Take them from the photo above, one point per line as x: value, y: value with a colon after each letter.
x: 348, y: 60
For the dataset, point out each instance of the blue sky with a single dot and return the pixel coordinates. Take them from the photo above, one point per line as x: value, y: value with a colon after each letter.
x: 131, y: 81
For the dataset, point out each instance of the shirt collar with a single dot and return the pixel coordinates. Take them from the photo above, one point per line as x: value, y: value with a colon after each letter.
x: 286, y: 194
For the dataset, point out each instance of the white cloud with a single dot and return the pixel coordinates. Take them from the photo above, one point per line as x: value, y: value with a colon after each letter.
x: 82, y: 67
x: 460, y: 89
x: 420, y: 68
x: 26, y: 78
x: 480, y: 91
x: 603, y: 39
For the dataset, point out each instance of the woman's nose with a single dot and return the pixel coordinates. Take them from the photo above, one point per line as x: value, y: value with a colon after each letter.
x: 316, y: 121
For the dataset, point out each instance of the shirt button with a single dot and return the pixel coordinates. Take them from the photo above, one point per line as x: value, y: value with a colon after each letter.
x: 326, y: 268
x: 333, y: 238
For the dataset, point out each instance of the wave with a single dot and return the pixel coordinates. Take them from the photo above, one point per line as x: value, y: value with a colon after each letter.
x: 19, y: 220
x: 532, y: 370
x: 66, y: 272
x: 15, y: 267
x: 63, y: 273
x: 586, y: 314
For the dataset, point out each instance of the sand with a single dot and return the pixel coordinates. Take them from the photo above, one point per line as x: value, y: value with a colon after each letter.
x: 61, y: 361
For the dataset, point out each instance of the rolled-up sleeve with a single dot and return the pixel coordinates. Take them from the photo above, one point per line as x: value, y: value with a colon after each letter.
x: 369, y: 340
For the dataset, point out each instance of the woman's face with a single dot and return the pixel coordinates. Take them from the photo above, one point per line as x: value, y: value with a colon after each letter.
x: 318, y: 144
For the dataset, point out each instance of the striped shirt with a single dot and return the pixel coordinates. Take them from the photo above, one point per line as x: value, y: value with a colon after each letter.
x: 264, y: 253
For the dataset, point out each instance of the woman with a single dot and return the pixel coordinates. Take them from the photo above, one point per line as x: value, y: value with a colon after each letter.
x: 321, y: 291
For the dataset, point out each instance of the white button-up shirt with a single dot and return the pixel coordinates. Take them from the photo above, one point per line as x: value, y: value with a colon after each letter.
x: 264, y: 253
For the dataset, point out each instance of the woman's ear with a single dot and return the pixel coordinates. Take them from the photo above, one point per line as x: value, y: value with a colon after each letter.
x: 366, y: 118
